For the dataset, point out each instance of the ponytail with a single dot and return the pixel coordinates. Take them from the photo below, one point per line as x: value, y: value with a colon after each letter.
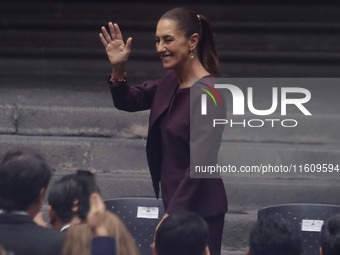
x: 190, y: 22
x: 206, y: 47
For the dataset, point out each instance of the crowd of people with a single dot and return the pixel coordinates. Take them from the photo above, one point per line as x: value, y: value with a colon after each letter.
x: 80, y: 223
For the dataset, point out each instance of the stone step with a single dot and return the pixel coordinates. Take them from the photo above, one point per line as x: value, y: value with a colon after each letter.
x: 54, y: 30
x: 274, y: 11
x: 289, y: 59
x: 122, y: 169
x: 109, y: 122
x: 91, y: 121
x: 87, y: 72
x: 106, y: 154
x: 282, y: 37
x: 265, y: 41
x: 237, y: 227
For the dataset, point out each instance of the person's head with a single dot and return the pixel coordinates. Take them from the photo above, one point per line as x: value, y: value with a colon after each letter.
x: 78, y: 238
x: 24, y: 177
x: 183, y: 36
x: 63, y: 200
x: 330, y: 236
x: 182, y: 233
x: 274, y: 235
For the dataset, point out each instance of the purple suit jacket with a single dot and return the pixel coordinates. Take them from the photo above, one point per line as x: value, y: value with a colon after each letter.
x: 206, y: 197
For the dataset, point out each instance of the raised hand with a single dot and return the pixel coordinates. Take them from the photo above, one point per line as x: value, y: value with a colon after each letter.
x: 117, y: 52
x: 96, y: 217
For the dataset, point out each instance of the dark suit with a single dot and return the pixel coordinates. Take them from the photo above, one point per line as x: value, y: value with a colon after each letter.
x: 19, y: 234
x: 206, y: 197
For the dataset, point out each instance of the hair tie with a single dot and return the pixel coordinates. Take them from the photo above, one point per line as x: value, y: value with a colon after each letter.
x: 199, y: 18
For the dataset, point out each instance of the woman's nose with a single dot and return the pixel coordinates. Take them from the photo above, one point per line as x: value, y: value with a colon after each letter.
x: 160, y: 48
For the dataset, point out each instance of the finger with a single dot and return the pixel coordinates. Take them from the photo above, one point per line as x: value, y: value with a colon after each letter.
x: 96, y: 202
x: 93, y: 207
x: 112, y: 31
x: 106, y: 35
x: 118, y: 32
x: 129, y: 44
x: 102, y: 39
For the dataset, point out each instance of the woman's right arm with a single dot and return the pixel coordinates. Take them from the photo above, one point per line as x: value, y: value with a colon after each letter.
x: 135, y: 98
x: 127, y: 98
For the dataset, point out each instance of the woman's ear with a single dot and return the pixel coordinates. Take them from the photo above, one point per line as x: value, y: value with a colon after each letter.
x: 193, y: 42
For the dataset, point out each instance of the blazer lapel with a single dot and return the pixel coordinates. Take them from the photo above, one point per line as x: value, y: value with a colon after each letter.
x: 163, y: 96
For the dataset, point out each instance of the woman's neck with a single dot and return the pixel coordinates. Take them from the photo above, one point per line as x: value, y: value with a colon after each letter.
x: 193, y: 70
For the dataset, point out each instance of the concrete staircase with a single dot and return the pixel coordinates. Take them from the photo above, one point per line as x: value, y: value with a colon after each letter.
x: 54, y: 96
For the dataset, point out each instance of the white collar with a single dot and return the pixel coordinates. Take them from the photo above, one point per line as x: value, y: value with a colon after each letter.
x: 14, y: 212
x: 65, y: 227
x: 19, y: 213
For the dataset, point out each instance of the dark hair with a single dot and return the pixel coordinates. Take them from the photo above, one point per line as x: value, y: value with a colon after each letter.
x: 274, y: 235
x: 191, y: 22
x: 330, y: 236
x: 23, y: 173
x: 182, y: 233
x: 87, y: 183
x: 62, y: 196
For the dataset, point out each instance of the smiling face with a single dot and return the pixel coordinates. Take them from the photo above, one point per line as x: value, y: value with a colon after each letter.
x: 171, y: 44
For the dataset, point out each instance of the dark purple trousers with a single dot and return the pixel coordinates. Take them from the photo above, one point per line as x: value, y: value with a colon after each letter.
x: 215, y: 224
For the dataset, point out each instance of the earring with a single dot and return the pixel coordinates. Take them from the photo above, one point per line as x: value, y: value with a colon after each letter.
x: 191, y: 55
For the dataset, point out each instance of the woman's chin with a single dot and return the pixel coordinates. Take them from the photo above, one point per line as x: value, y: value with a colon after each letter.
x: 168, y: 66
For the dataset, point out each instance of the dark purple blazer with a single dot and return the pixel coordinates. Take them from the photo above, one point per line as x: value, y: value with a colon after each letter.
x: 206, y: 197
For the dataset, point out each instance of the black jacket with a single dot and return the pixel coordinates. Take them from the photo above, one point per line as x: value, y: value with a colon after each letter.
x: 19, y: 235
